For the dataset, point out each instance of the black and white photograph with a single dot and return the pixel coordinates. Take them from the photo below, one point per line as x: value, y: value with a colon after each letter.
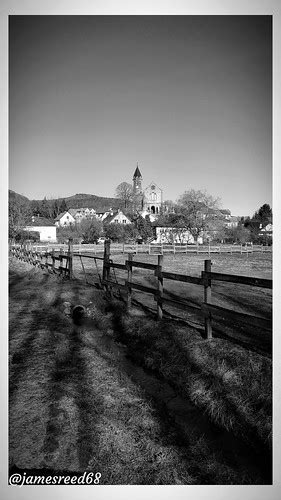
x: 140, y: 227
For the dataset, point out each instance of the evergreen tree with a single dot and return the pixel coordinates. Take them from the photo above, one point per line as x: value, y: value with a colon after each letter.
x: 63, y: 206
x: 55, y: 209
x: 144, y: 227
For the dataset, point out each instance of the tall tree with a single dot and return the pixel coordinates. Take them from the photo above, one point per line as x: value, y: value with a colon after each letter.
x: 91, y: 230
x: 114, y: 231
x: 199, y: 210
x: 259, y: 220
x: 55, y: 209
x: 19, y: 214
x: 63, y: 206
x: 144, y: 227
x: 124, y: 192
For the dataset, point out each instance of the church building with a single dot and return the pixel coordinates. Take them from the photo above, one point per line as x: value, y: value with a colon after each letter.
x: 150, y: 199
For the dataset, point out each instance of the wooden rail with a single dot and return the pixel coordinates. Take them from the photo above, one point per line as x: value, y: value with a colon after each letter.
x: 46, y: 259
x: 207, y: 310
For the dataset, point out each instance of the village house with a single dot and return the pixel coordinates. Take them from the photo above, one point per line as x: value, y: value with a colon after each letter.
x: 64, y: 219
x: 103, y: 215
x: 165, y: 234
x: 117, y: 217
x: 267, y: 231
x: 46, y: 229
x: 232, y: 221
x: 82, y: 213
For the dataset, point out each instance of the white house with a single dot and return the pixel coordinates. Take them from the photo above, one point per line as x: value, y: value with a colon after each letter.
x: 117, y: 217
x: 64, y: 219
x: 173, y: 235
x: 103, y: 215
x: 82, y: 213
x: 46, y: 228
x: 145, y: 213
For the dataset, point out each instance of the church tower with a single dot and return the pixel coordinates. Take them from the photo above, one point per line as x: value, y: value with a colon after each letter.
x: 137, y: 190
x: 137, y: 178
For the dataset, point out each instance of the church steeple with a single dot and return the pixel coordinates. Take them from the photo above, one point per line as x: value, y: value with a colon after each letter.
x: 137, y: 173
x: 137, y: 178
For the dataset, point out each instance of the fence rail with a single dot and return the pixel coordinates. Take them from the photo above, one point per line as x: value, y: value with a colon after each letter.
x: 48, y: 258
x: 207, y: 310
x: 152, y: 248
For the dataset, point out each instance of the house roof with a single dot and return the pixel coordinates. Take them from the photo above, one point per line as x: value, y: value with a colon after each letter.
x: 40, y: 222
x: 110, y: 217
x: 73, y: 211
x: 62, y: 214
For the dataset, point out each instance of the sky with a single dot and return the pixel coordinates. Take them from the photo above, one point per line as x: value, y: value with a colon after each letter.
x: 187, y: 97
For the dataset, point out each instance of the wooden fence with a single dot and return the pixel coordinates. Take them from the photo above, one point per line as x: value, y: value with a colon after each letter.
x: 58, y: 262
x: 207, y: 309
x: 152, y: 248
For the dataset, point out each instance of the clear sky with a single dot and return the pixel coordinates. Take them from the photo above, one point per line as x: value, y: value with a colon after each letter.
x: 187, y: 97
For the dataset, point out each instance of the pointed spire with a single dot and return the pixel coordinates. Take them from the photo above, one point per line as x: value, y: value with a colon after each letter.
x: 137, y: 172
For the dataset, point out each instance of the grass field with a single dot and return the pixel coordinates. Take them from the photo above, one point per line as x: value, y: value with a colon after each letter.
x: 142, y: 402
x: 245, y: 299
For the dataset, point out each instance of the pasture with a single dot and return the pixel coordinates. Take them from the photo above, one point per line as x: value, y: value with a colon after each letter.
x: 139, y: 400
x: 236, y: 297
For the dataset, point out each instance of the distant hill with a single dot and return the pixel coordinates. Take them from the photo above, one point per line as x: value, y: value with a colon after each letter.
x: 18, y: 198
x: 99, y: 203
x: 80, y: 200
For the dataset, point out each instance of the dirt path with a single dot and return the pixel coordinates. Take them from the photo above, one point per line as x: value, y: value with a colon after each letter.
x: 78, y: 403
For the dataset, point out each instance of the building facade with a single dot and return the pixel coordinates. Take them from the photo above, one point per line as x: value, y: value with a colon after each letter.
x: 46, y: 229
x: 149, y: 200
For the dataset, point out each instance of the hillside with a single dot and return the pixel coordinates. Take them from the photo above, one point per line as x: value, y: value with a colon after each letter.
x: 99, y: 203
x: 18, y: 198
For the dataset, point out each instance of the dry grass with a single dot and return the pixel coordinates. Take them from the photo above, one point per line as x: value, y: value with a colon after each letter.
x: 75, y: 407
x: 231, y: 384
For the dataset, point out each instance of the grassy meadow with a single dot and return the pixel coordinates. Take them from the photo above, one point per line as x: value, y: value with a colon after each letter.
x: 245, y: 299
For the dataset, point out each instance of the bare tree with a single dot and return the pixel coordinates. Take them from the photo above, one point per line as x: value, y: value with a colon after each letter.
x: 200, y: 210
x: 199, y: 199
x: 124, y: 191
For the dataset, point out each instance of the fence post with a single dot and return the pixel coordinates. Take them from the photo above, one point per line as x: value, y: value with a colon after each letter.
x: 207, y: 298
x: 160, y: 288
x: 130, y: 274
x: 106, y: 259
x: 61, y: 261
x: 53, y: 260
x: 70, y: 257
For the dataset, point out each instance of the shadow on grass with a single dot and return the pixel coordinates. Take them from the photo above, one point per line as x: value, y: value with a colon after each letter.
x: 158, y: 345
x: 38, y: 299
x: 20, y: 358
x: 70, y: 368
